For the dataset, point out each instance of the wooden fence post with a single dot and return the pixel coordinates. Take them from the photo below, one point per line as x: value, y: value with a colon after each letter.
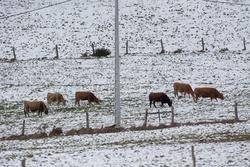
x: 244, y: 44
x: 162, y: 47
x: 23, y: 162
x: 203, y: 45
x: 159, y: 116
x: 146, y: 118
x: 193, y: 156
x: 93, y: 47
x: 236, y: 112
x: 14, y: 53
x: 172, y: 115
x: 23, y: 127
x: 57, y: 54
x: 126, y: 47
x: 87, y: 118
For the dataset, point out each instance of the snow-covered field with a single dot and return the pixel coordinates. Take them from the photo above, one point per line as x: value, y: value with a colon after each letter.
x: 74, y: 26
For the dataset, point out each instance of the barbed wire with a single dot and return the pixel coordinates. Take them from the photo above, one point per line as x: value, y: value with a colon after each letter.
x: 33, y: 10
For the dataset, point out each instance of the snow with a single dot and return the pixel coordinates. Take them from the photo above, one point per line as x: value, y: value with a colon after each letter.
x: 73, y: 26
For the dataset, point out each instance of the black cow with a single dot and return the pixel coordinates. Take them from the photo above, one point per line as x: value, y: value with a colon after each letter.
x: 159, y: 97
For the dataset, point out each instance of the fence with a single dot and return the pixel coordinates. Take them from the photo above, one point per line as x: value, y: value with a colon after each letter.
x: 173, y: 123
x: 127, y: 49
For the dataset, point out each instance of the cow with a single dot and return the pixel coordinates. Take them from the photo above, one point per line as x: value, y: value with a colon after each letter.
x: 159, y: 97
x: 183, y: 88
x: 85, y: 95
x: 32, y: 106
x: 55, y: 97
x: 208, y: 92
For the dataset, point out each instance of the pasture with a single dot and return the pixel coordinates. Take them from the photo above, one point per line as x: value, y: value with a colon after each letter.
x: 143, y: 74
x: 74, y: 26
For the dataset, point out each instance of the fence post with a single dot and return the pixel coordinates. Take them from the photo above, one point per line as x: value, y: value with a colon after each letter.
x: 203, y: 45
x: 14, y: 53
x: 23, y: 127
x: 57, y: 54
x: 236, y: 111
x: 146, y: 118
x: 244, y: 44
x: 127, y: 47
x: 172, y: 115
x: 93, y: 47
x: 87, y: 118
x: 159, y: 116
x: 193, y: 156
x: 162, y: 47
x: 23, y: 162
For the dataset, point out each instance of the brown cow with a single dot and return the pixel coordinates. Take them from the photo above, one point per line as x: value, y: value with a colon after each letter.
x: 55, y: 97
x: 208, y: 92
x: 183, y: 88
x: 32, y: 106
x: 159, y: 97
x: 85, y: 95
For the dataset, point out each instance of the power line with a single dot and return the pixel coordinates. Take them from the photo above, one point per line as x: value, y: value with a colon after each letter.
x: 33, y: 10
x: 224, y: 2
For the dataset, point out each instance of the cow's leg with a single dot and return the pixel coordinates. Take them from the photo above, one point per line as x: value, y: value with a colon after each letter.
x: 24, y: 112
x: 162, y: 104
x: 193, y: 98
x: 150, y: 103
x: 175, y: 93
x: 196, y: 99
x: 41, y: 113
x: 27, y: 112
x: 77, y: 102
x: 154, y: 103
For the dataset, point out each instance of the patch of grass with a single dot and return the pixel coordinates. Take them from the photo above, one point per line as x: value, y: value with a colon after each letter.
x: 65, y: 109
x: 236, y: 137
x: 11, y: 106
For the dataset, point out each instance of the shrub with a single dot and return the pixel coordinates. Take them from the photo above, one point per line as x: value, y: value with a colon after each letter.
x: 223, y: 50
x: 101, y: 52
x: 84, y: 55
x: 178, y: 51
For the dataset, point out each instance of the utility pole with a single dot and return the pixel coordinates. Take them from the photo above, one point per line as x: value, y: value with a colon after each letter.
x: 117, y: 69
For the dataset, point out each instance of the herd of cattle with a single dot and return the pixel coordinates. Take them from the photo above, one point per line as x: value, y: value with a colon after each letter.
x: 183, y: 88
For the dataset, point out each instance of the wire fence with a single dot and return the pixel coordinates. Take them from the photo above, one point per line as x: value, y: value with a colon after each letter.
x: 128, y: 52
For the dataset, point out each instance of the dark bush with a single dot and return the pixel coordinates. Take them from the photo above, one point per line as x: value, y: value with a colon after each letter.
x: 223, y: 50
x: 56, y: 132
x: 178, y: 51
x: 101, y: 52
x: 84, y: 55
